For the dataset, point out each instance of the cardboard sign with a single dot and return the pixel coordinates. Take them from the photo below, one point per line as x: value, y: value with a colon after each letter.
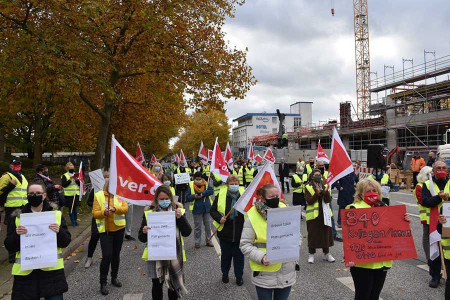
x: 182, y: 178
x: 97, y: 179
x: 377, y: 234
x: 161, y: 237
x: 446, y: 213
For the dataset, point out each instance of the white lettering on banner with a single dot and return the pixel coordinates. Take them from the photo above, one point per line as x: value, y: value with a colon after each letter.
x: 141, y: 187
x: 132, y: 186
x: 122, y: 183
x: 326, y: 214
x: 153, y: 190
x: 161, y: 236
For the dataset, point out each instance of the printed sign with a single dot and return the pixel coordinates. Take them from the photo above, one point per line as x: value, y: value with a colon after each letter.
x: 377, y: 234
x: 161, y: 237
x: 182, y: 178
x: 446, y: 213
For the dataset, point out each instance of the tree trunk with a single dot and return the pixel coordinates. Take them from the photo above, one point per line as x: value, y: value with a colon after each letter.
x: 102, y: 140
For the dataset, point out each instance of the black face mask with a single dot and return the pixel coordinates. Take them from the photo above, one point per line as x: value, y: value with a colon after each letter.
x: 311, y: 164
x: 45, y: 174
x: 273, y: 203
x: 321, y: 170
x: 71, y: 171
x: 317, y: 178
x: 35, y: 200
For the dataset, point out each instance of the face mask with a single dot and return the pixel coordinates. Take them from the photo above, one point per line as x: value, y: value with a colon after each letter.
x: 300, y: 173
x: 441, y: 174
x: 164, y: 203
x: 35, y: 200
x: 321, y: 169
x: 167, y: 182
x: 45, y: 174
x: 71, y: 171
x: 16, y: 168
x: 273, y: 203
x: 249, y: 166
x: 157, y: 168
x: 317, y: 178
x: 371, y: 198
x: 233, y: 188
x: 311, y: 164
x: 198, y: 181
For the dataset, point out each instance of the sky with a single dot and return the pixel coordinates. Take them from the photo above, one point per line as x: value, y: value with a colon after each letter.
x: 300, y: 52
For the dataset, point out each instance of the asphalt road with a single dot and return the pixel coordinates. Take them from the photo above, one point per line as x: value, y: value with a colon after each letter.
x: 406, y: 280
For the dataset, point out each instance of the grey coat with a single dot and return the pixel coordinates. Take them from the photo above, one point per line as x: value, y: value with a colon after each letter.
x: 285, y: 277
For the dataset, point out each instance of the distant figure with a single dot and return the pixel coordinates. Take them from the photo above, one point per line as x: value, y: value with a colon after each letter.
x: 284, y: 140
x: 431, y: 159
x: 417, y: 163
x: 283, y: 171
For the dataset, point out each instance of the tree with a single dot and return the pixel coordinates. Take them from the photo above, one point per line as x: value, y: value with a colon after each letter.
x: 203, y: 126
x: 108, y: 47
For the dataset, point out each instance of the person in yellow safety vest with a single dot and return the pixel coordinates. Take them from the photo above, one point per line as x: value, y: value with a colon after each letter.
x: 157, y: 170
x: 164, y: 202
x: 445, y: 242
x: 71, y: 186
x: 229, y: 226
x: 167, y: 181
x: 249, y: 173
x: 198, y: 195
x: 13, y: 193
x: 218, y: 183
x: 205, y: 169
x: 441, y: 185
x: 385, y: 181
x: 321, y: 166
x: 239, y: 171
x: 272, y: 281
x: 109, y: 213
x: 181, y: 189
x: 369, y: 278
x: 319, y: 234
x: 47, y: 282
x: 284, y: 139
x: 299, y: 179
x: 424, y: 212
x: 309, y: 166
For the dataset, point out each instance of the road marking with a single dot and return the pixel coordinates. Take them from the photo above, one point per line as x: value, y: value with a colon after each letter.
x: 133, y: 296
x: 348, y: 282
x: 407, y: 203
x: 424, y: 267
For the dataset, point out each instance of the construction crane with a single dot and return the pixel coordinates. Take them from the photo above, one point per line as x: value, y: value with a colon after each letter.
x: 362, y: 56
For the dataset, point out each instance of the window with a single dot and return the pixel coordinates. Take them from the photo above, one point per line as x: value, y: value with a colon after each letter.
x: 297, y: 123
x: 274, y: 130
x: 274, y: 120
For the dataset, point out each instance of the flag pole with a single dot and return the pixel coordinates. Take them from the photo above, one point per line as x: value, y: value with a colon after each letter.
x: 220, y: 225
x: 442, y: 260
x: 73, y: 202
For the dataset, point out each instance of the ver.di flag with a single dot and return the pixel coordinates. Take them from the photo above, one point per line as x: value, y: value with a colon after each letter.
x: 218, y: 164
x: 81, y: 179
x: 210, y: 155
x: 139, y: 154
x: 258, y: 158
x: 202, y: 153
x: 153, y: 160
x: 128, y: 179
x: 435, y: 237
x: 269, y: 155
x: 340, y: 163
x: 183, y: 159
x: 265, y: 176
x: 251, y: 153
x: 229, y: 156
x: 321, y: 155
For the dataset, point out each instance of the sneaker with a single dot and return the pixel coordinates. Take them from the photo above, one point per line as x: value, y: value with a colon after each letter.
x: 129, y: 238
x: 434, y: 283
x: 88, y: 262
x: 311, y: 258
x: 328, y: 258
x: 225, y: 279
x: 239, y: 281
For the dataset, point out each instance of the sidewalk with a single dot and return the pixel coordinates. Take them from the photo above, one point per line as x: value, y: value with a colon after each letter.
x: 79, y: 235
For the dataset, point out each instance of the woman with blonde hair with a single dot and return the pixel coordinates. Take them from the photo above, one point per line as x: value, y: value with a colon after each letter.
x: 369, y: 278
x: 157, y: 170
x: 71, y: 186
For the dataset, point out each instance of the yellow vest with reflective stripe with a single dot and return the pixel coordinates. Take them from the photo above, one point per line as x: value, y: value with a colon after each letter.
x: 325, y: 174
x: 437, y: 190
x: 308, y: 169
x: 249, y: 175
x: 186, y: 170
x: 16, y: 267
x: 72, y: 189
x: 259, y: 225
x: 119, y: 220
x: 18, y: 196
x: 446, y: 247
x: 297, y: 179
x: 217, y: 189
x: 222, y: 202
x: 312, y: 211
x: 172, y: 190
x: 145, y: 253
x: 206, y: 170
x: 191, y: 186
x: 240, y: 174
x: 375, y: 265
x: 424, y: 212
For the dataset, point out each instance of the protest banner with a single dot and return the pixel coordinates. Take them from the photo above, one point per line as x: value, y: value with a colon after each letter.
x: 161, y: 237
x: 377, y: 234
x: 181, y: 178
x: 283, y: 234
x: 446, y: 213
x: 97, y: 180
x: 38, y: 246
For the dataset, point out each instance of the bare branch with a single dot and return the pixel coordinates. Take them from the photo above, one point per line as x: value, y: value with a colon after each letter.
x: 91, y: 105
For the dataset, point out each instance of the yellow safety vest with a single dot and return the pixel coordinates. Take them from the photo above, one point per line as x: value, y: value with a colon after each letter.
x: 217, y: 189
x: 172, y: 190
x: 424, y: 212
x: 119, y: 219
x: 437, y: 190
x: 240, y: 174
x: 145, y: 253
x: 446, y: 247
x: 206, y: 170
x: 16, y: 267
x: 191, y: 186
x: 374, y: 265
x: 259, y: 225
x: 312, y: 211
x: 72, y: 189
x: 18, y: 196
x: 325, y: 174
x: 222, y: 203
x: 308, y: 169
x: 249, y: 175
x: 297, y: 179
x: 186, y: 170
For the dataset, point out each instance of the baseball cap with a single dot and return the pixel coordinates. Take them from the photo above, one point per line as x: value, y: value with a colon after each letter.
x: 15, y: 161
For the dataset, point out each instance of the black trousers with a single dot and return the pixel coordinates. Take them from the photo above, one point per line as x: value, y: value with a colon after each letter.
x: 414, y: 179
x: 368, y: 282
x: 8, y: 212
x: 157, y: 291
x: 447, y: 282
x: 283, y: 183
x: 111, y: 244
x: 435, y: 268
x: 95, y: 236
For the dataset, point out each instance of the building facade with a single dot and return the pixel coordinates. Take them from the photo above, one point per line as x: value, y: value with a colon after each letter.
x: 303, y: 108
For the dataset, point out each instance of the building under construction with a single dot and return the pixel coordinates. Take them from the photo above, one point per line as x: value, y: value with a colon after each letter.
x: 409, y: 109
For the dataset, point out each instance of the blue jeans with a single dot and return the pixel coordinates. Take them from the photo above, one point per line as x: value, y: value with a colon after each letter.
x: 230, y: 251
x: 74, y: 215
x: 57, y: 297
x: 275, y: 294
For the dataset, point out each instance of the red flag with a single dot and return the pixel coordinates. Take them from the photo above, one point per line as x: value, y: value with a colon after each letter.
x: 321, y: 155
x: 183, y: 159
x: 128, y: 179
x: 139, y: 154
x: 81, y: 178
x: 218, y: 164
x: 251, y: 154
x: 258, y: 158
x: 210, y: 155
x: 177, y: 158
x: 153, y: 160
x: 340, y: 163
x: 435, y: 237
x: 265, y: 176
x: 202, y: 153
x: 229, y: 156
x: 269, y: 155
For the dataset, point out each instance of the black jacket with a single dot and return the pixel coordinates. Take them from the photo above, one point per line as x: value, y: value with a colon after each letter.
x: 427, y: 199
x: 38, y: 283
x: 52, y: 192
x: 232, y: 229
x: 283, y: 173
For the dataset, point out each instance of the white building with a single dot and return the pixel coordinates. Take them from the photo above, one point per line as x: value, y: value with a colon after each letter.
x: 303, y: 108
x: 257, y: 124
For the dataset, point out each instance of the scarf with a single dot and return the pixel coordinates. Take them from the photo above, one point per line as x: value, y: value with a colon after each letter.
x: 261, y: 208
x: 200, y: 187
x: 171, y: 271
x: 234, y: 197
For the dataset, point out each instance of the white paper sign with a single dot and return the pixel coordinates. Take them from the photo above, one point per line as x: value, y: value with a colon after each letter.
x: 446, y: 213
x: 326, y: 214
x: 97, y: 179
x: 182, y: 178
x: 161, y: 237
x: 283, y: 234
x: 38, y: 246
x: 385, y: 191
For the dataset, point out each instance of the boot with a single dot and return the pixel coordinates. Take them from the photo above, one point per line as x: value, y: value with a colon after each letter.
x: 116, y: 282
x: 104, y: 289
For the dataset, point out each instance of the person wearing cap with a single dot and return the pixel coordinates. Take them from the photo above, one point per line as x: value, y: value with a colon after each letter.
x: 417, y: 163
x: 13, y: 193
x: 71, y: 186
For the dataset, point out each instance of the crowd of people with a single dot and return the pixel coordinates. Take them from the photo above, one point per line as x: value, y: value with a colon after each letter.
x: 208, y: 197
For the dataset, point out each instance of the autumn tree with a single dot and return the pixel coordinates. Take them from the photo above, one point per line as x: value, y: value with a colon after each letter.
x: 108, y: 47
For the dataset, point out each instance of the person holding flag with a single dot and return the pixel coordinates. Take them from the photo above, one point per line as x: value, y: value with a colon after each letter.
x: 432, y: 197
x: 71, y: 185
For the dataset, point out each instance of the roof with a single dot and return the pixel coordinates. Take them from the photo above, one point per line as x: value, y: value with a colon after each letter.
x: 300, y: 102
x: 264, y: 115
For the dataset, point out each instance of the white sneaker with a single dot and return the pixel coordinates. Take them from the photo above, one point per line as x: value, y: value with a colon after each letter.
x: 88, y: 262
x: 311, y: 258
x: 328, y: 258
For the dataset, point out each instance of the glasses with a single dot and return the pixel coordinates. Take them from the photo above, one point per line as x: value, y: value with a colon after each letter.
x: 35, y: 194
x: 441, y: 168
